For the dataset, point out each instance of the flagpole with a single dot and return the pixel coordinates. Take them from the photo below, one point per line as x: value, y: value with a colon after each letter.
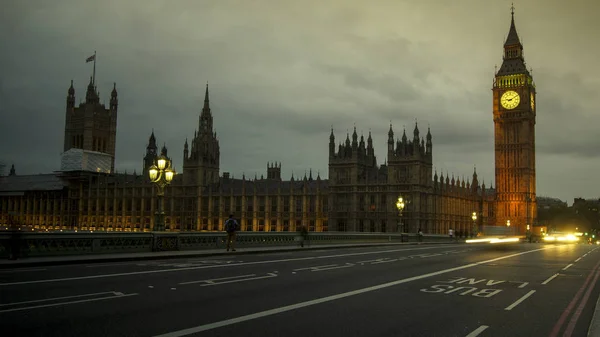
x: 94, y: 72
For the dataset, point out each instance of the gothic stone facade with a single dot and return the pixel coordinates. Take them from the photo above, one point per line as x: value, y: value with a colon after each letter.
x: 91, y: 126
x: 363, y: 194
x: 514, y: 111
x: 359, y: 195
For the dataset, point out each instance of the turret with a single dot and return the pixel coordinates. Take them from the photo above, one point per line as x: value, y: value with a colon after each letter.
x: 429, y: 143
x: 186, y: 150
x: 416, y: 139
x: 163, y: 151
x: 370, y: 150
x: 91, y: 96
x: 361, y: 144
x: 390, y: 142
x: 331, y: 144
x: 151, y: 152
x: 114, y: 101
x: 71, y: 97
x: 274, y: 171
x: 475, y: 181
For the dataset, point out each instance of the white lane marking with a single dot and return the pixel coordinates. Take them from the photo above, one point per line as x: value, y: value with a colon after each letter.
x: 209, y: 266
x: 22, y: 270
x: 275, y: 311
x: 269, y: 275
x: 517, y: 302
x: 61, y: 298
x: 523, y: 284
x: 316, y: 267
x: 385, y: 261
x: 219, y: 279
x: 567, y: 267
x: 376, y: 261
x: 110, y: 264
x: 477, y: 331
x: 578, y: 259
x: 550, y: 278
x: 337, y: 267
x: 66, y: 303
x: 233, y: 279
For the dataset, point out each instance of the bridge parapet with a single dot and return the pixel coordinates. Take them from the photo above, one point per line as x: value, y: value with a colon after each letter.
x: 17, y: 244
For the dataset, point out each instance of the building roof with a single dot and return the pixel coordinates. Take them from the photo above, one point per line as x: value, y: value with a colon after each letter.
x: 512, y: 67
x: 39, y: 182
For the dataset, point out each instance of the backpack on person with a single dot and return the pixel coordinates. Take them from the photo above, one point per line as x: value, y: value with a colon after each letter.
x: 230, y: 226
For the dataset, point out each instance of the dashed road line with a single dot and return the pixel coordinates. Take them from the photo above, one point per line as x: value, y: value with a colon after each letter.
x: 550, y: 278
x: 517, y: 302
x: 477, y: 331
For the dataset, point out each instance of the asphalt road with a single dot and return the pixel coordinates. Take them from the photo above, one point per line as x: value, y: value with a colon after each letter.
x: 426, y: 290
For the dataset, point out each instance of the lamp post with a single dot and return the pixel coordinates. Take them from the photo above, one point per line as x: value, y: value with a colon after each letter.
x: 400, y: 206
x: 508, y: 224
x: 474, y: 232
x: 528, y: 201
x: 161, y: 174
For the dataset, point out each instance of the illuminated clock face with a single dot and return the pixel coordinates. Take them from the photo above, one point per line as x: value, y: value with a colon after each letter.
x: 510, y: 100
x: 532, y: 102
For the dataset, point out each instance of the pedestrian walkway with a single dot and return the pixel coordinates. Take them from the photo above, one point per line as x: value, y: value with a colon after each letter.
x: 104, y: 258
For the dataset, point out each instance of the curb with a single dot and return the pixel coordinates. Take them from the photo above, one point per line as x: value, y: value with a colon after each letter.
x: 198, y: 254
x: 594, y: 329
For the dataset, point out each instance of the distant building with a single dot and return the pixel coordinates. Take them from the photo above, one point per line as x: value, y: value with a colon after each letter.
x: 360, y: 194
x: 91, y: 126
x: 592, y: 205
x: 548, y: 203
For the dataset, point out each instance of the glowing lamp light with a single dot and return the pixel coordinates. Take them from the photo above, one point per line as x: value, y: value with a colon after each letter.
x: 474, y: 216
x: 169, y: 175
x: 153, y: 173
x: 162, y: 163
x: 400, y: 203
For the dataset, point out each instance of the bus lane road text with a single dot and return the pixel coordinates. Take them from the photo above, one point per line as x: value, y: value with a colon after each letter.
x: 463, y: 286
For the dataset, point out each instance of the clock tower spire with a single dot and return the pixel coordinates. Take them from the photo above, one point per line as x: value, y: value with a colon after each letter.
x: 514, y: 114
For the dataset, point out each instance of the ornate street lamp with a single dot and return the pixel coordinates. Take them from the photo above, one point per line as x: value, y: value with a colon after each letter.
x: 474, y: 232
x: 400, y: 206
x: 527, y: 220
x: 161, y: 174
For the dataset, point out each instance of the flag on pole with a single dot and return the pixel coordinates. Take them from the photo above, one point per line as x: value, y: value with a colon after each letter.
x: 91, y: 58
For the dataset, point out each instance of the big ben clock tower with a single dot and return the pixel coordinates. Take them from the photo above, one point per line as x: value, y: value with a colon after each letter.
x: 514, y: 138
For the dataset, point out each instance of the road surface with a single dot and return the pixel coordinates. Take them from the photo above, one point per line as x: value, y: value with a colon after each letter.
x: 420, y: 290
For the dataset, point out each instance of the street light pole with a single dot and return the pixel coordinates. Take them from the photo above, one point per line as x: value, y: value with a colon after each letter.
x: 475, y: 231
x: 400, y: 206
x: 527, y: 223
x: 508, y: 224
x: 161, y: 174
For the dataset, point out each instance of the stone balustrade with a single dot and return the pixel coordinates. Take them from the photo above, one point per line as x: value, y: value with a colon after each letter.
x: 17, y: 244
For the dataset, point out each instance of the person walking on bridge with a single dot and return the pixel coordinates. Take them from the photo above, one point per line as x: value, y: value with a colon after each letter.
x: 231, y: 226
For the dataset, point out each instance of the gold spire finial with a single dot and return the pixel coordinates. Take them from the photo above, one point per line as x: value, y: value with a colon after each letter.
x: 512, y: 9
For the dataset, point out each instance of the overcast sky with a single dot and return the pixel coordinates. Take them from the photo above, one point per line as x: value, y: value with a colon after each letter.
x: 281, y: 72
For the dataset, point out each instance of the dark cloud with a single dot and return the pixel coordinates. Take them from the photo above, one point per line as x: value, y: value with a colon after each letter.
x: 282, y: 73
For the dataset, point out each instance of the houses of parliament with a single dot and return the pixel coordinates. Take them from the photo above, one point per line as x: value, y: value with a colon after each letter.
x: 359, y: 195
